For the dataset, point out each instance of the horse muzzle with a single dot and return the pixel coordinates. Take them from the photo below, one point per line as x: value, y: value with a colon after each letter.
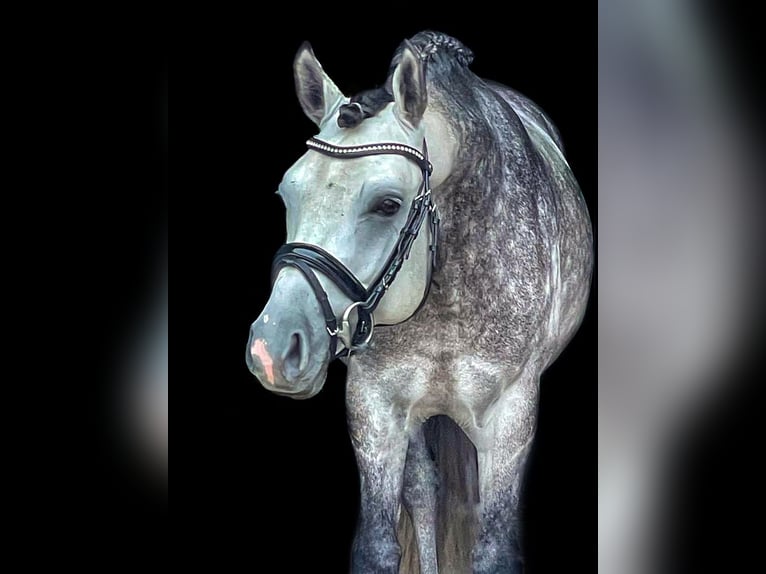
x: 286, y: 355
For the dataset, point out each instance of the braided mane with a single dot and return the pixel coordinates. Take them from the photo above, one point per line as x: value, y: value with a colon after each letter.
x: 442, y: 52
x: 437, y: 47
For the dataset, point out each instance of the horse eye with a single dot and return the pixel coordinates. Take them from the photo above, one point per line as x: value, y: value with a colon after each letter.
x: 387, y: 207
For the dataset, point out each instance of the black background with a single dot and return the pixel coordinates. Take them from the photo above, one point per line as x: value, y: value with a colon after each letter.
x: 277, y: 478
x: 265, y: 480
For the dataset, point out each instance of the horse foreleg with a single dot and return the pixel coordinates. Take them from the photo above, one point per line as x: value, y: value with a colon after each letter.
x: 379, y: 438
x: 419, y: 496
x: 502, y: 449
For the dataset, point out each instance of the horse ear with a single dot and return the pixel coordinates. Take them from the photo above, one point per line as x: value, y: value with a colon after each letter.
x: 317, y: 93
x: 409, y: 86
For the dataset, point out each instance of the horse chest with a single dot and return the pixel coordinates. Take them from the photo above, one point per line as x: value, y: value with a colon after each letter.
x: 440, y: 375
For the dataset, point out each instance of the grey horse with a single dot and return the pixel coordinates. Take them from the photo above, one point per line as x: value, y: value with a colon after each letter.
x: 441, y: 403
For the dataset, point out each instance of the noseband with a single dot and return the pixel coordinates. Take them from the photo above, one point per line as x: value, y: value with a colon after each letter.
x: 307, y: 258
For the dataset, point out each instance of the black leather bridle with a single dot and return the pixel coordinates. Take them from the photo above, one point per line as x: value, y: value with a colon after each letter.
x: 307, y: 258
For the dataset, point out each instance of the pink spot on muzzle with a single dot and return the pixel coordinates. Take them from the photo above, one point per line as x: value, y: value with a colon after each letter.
x: 258, y: 349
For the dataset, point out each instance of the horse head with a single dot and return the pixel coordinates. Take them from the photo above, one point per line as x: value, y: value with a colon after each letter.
x: 350, y: 202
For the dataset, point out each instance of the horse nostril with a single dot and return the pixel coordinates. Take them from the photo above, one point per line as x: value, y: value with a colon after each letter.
x: 296, y: 355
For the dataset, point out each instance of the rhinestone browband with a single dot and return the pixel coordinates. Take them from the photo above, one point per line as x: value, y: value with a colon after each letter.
x: 369, y: 149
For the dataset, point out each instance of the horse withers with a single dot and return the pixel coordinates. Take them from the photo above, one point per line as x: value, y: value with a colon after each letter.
x: 438, y: 244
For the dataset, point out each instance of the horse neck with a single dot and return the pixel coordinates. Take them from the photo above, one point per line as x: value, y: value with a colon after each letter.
x: 442, y: 145
x: 470, y: 190
x: 453, y: 166
x: 471, y: 160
